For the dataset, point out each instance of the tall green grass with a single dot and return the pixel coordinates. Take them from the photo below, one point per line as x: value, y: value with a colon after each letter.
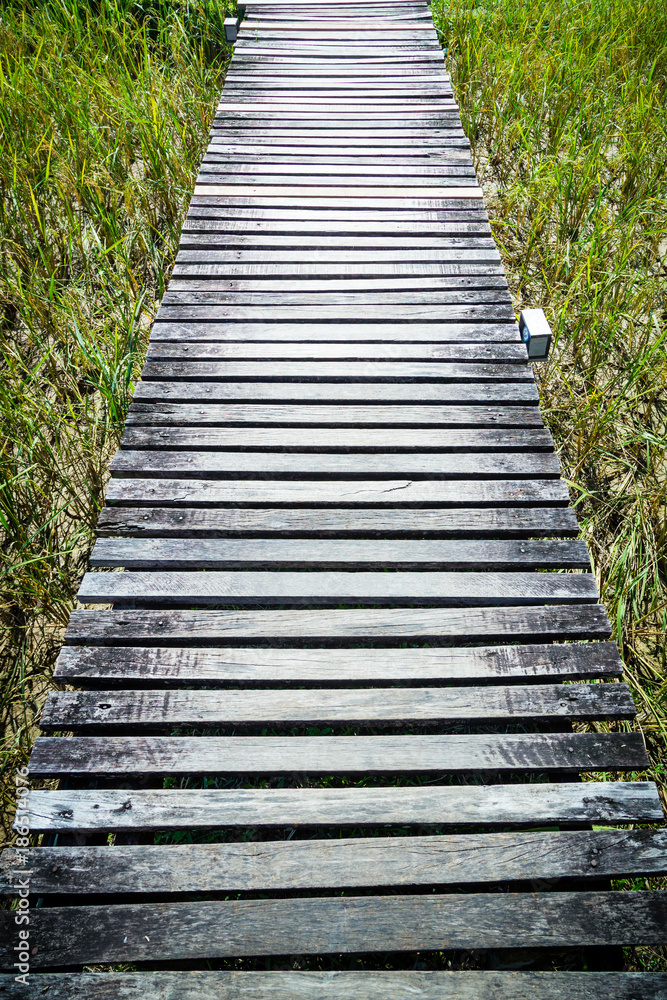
x: 104, y: 109
x: 565, y: 103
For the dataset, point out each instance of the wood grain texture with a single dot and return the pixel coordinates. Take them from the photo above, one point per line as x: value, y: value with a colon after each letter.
x: 355, y: 492
x: 391, y: 625
x: 325, y: 588
x: 474, y: 522
x: 344, y: 313
x: 173, y: 931
x: 415, y: 554
x: 367, y: 371
x: 513, y: 753
x: 469, y: 985
x: 329, y: 352
x: 323, y: 439
x: 345, y: 414
x: 447, y: 805
x: 179, y: 335
x: 343, y: 863
x: 315, y: 667
x: 172, y: 464
x: 141, y: 709
x: 485, y: 394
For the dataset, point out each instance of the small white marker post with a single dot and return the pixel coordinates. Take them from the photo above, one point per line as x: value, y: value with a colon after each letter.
x: 535, y: 333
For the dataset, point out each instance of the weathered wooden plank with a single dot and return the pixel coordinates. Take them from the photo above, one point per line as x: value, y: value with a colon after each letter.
x: 340, y: 553
x: 161, y: 464
x: 361, y: 312
x: 141, y: 709
x: 334, y: 587
x: 376, y: 256
x: 323, y: 439
x: 468, y: 985
x: 350, y: 139
x: 213, y: 165
x: 321, y: 195
x: 454, y: 151
x: 343, y: 863
x: 366, y: 370
x: 389, y: 625
x: 295, y: 84
x: 202, y: 284
x: 475, y: 522
x: 451, y: 754
x: 143, y: 411
x: 174, y: 931
x: 195, y: 238
x: 570, y: 661
x: 543, y: 802
x: 512, y: 396
x: 214, y: 493
x: 243, y: 292
x: 169, y: 337
x: 341, y: 24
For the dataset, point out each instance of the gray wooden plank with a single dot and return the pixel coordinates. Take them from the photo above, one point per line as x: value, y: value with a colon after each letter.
x: 215, y: 167
x: 474, y: 522
x: 214, y: 493
x: 156, y: 665
x: 334, y: 587
x: 366, y: 370
x: 360, y: 312
x: 415, y: 336
x: 295, y: 256
x: 343, y: 863
x: 388, y: 625
x: 322, y: 195
x: 341, y: 24
x: 207, y: 413
x: 484, y: 395
x: 195, y: 238
x: 397, y: 985
x: 334, y: 706
x: 371, y: 220
x: 454, y: 151
x: 172, y: 464
x: 340, y: 553
x: 324, y: 439
x: 350, y: 139
x: 172, y: 931
x: 452, y: 754
x: 292, y: 199
x: 487, y: 805
x: 337, y: 291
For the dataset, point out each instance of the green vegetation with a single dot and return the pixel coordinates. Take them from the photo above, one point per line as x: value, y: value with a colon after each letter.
x: 104, y: 109
x: 103, y: 117
x: 565, y: 103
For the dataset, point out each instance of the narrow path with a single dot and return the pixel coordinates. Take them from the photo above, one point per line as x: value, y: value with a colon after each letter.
x: 351, y: 735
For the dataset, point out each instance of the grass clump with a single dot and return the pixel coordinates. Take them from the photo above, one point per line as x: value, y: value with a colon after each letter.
x: 565, y: 103
x: 104, y: 110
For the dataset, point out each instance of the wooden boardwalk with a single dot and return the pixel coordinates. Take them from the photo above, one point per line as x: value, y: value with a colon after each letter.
x: 332, y: 711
